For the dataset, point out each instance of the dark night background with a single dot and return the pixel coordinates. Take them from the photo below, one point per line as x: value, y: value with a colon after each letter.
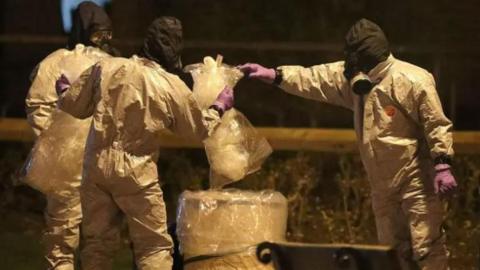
x: 439, y: 36
x: 326, y: 191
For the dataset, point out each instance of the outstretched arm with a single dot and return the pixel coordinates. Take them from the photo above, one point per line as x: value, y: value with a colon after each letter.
x: 185, y: 117
x: 325, y: 83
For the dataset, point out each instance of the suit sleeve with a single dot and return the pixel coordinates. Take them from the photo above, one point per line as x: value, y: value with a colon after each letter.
x: 324, y: 83
x: 185, y: 118
x: 78, y: 100
x: 41, y: 100
x: 436, y: 126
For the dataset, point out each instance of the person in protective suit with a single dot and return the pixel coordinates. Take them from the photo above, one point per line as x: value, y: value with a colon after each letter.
x: 166, y: 34
x: 132, y: 101
x: 404, y: 138
x: 92, y: 27
x: 168, y: 44
x: 87, y: 43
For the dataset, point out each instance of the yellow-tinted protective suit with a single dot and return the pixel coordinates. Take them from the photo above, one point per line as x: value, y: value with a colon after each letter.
x: 63, y: 213
x: 132, y: 101
x: 401, y: 129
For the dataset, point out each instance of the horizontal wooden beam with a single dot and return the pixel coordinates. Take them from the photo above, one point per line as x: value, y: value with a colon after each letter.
x: 292, y: 139
x: 15, y: 129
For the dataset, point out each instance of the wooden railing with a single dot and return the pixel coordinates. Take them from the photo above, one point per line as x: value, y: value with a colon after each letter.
x: 293, y: 139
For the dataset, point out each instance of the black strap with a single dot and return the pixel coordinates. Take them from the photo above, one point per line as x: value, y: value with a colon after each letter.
x: 213, y: 256
x: 278, y: 77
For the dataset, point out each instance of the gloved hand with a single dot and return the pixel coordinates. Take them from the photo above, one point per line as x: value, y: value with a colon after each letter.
x: 62, y: 84
x: 444, y: 180
x: 257, y: 71
x: 224, y: 101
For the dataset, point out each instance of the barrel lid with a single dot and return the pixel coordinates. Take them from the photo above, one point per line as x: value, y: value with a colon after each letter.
x: 235, y: 196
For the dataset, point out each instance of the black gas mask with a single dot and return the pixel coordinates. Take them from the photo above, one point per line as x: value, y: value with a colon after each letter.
x: 91, y: 26
x: 101, y: 37
x: 361, y: 84
x: 365, y: 47
x: 164, y: 43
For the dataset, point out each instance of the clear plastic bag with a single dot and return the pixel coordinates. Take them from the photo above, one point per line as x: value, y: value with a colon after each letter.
x: 229, y: 221
x: 234, y: 149
x: 210, y: 77
x: 54, y: 165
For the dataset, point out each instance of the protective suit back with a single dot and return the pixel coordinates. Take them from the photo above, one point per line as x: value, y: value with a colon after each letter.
x: 57, y: 156
x: 132, y: 101
x: 234, y: 149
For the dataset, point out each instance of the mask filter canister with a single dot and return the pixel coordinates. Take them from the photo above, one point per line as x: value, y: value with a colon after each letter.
x: 361, y: 84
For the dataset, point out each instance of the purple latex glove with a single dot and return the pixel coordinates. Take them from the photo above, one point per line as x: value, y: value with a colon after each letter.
x: 257, y: 71
x: 62, y: 84
x: 444, y: 180
x: 224, y: 101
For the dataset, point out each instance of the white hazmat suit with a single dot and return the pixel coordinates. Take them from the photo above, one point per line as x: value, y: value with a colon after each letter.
x: 58, y: 175
x: 401, y: 129
x: 132, y: 101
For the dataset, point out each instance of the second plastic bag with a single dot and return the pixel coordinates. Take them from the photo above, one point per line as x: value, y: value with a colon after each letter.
x: 234, y: 149
x: 54, y: 166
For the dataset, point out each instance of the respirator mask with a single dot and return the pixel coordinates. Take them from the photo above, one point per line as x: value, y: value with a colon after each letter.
x: 360, y: 82
x: 365, y: 47
x: 101, y: 37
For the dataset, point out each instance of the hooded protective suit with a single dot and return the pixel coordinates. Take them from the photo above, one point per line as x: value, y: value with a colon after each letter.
x: 132, y: 101
x: 163, y: 43
x: 89, y: 20
x: 63, y: 214
x: 401, y: 129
